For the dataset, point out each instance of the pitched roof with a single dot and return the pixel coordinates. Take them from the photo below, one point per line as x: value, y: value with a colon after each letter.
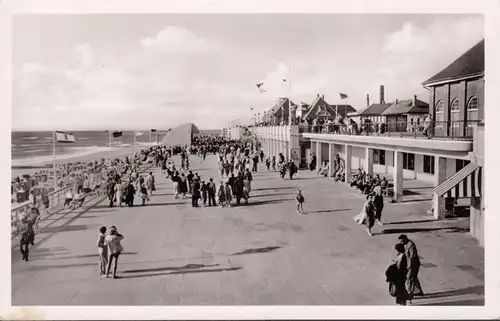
x: 373, y: 110
x: 327, y: 109
x: 276, y: 109
x: 470, y: 63
x: 406, y: 107
x: 180, y: 135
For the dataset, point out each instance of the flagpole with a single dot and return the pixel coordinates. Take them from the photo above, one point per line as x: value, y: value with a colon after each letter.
x: 110, y: 147
x: 135, y: 135
x: 149, y: 136
x: 54, y: 161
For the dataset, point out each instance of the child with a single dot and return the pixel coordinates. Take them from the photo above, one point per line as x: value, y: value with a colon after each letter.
x: 268, y: 164
x: 300, y: 202
x: 144, y: 194
x: 102, y: 250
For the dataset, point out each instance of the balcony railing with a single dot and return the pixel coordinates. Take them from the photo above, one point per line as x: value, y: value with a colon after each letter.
x: 454, y: 130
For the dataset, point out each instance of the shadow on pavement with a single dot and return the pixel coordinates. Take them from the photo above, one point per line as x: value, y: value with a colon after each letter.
x: 53, y: 266
x: 258, y: 250
x: 182, y: 272
x: 417, y: 200
x: 83, y: 256
x: 330, y: 211
x: 69, y: 228
x: 272, y: 188
x: 430, y: 229
x: 179, y: 268
x: 478, y: 289
x: 275, y: 194
x: 473, y: 302
x: 257, y: 203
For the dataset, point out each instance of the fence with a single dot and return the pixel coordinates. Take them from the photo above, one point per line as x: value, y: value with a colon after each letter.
x: 55, y: 199
x: 455, y: 130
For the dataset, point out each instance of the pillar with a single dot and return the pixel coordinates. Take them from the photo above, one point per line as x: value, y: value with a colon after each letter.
x: 438, y: 203
x: 398, y: 176
x: 331, y: 148
x: 348, y: 161
x: 369, y: 161
x: 318, y: 155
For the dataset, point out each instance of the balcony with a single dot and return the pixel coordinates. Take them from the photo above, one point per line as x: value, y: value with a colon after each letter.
x: 446, y: 139
x: 442, y: 130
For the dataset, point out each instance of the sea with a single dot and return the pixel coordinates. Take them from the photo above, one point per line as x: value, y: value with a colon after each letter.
x: 30, y: 147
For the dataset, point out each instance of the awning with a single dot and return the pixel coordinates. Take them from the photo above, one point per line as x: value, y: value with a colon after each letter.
x: 465, y: 183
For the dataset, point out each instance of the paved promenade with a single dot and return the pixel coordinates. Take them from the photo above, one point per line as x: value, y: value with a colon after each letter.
x: 260, y: 254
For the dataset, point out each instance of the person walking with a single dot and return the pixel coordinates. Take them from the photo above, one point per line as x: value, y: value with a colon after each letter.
x: 396, y: 275
x: 300, y: 202
x: 204, y: 192
x: 143, y: 194
x: 130, y: 193
x: 113, y: 242
x: 110, y: 188
x: 413, y: 286
x: 378, y: 203
x: 211, y: 190
x: 183, y: 188
x: 151, y: 184
x: 195, y: 192
x: 261, y: 156
x: 221, y: 195
x: 238, y: 188
x: 26, y: 235
x: 119, y: 192
x: 189, y: 178
x: 268, y: 164
x: 102, y: 251
x: 273, y: 162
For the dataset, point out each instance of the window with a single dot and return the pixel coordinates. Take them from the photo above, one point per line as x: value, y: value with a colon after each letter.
x: 455, y: 106
x: 428, y: 164
x: 379, y: 156
x: 440, y: 107
x: 472, y: 111
x: 409, y: 161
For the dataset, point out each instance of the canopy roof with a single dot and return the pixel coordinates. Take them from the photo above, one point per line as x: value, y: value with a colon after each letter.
x: 180, y: 136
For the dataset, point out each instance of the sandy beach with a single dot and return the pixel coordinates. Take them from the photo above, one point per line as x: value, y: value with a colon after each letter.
x: 34, y: 167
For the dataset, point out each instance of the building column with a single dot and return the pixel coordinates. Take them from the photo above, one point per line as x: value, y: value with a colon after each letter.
x: 318, y: 155
x: 438, y: 203
x: 369, y: 161
x: 348, y: 161
x: 398, y: 176
x: 331, y: 148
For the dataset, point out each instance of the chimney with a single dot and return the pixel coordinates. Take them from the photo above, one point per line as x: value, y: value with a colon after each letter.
x: 323, y: 96
x: 414, y: 100
x: 382, y: 94
x: 367, y: 100
x: 318, y: 95
x: 397, y: 101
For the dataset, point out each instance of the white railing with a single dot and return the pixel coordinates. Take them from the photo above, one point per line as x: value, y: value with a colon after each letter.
x: 55, y: 198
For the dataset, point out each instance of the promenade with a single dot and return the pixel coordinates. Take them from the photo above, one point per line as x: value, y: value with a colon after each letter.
x: 263, y: 253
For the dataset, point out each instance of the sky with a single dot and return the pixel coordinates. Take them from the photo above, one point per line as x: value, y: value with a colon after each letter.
x: 137, y: 71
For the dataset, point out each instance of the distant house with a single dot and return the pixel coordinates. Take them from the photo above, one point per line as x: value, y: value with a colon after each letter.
x: 457, y: 93
x: 373, y: 113
x: 279, y: 111
x: 406, y: 115
x: 323, y: 111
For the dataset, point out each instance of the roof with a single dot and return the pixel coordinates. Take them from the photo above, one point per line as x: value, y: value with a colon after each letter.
x: 406, y: 107
x: 471, y: 63
x: 276, y: 109
x: 320, y: 107
x: 180, y: 135
x: 373, y: 110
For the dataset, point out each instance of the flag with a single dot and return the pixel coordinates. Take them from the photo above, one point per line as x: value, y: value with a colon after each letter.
x: 153, y: 130
x: 139, y: 134
x: 251, y: 108
x: 63, y: 137
x: 117, y: 134
x: 342, y: 96
x: 259, y: 85
x: 284, y: 79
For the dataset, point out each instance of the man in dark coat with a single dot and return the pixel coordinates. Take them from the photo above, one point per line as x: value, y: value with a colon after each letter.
x: 130, y: 194
x: 238, y: 188
x: 413, y: 286
x: 211, y: 189
x: 190, y: 180
x: 196, y: 192
x: 110, y: 191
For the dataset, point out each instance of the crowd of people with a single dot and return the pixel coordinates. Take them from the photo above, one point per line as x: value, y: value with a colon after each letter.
x: 236, y: 163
